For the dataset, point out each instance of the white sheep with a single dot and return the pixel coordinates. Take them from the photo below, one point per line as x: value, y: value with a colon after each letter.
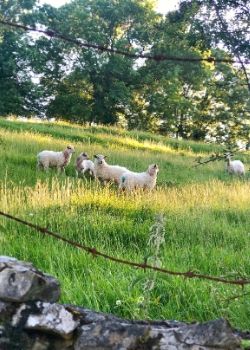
x: 106, y: 172
x: 52, y: 159
x: 84, y: 164
x: 147, y: 180
x: 234, y: 166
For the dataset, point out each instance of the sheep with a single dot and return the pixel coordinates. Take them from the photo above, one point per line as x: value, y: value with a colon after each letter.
x: 50, y: 159
x: 106, y: 172
x: 234, y: 166
x: 84, y: 164
x: 146, y: 180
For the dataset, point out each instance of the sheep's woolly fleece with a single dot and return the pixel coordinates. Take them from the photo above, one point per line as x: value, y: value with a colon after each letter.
x: 49, y: 159
x: 106, y: 172
x: 146, y: 180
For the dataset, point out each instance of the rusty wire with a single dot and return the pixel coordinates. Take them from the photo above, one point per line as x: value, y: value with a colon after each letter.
x: 95, y: 253
x: 157, y: 57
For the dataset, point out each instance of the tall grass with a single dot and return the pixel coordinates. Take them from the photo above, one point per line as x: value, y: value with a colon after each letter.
x: 207, y: 222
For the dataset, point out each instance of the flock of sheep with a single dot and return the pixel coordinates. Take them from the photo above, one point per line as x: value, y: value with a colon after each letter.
x: 100, y: 169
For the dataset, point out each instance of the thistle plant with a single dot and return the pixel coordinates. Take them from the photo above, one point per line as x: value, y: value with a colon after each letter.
x: 155, y: 243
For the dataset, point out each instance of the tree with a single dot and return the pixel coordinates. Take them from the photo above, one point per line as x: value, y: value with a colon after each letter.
x: 227, y: 23
x: 18, y: 93
x: 181, y: 99
x: 108, y: 78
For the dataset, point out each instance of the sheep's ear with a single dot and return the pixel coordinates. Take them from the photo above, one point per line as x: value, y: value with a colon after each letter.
x: 155, y: 166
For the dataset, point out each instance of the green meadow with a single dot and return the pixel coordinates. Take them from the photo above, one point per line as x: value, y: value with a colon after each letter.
x: 207, y: 227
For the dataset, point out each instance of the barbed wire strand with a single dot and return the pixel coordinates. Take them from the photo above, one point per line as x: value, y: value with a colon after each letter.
x: 159, y: 57
x: 208, y: 161
x: 189, y: 274
x: 218, y: 156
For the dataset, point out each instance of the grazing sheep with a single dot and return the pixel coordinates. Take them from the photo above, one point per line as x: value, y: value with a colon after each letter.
x: 234, y: 166
x: 84, y: 164
x: 106, y: 172
x: 51, y: 159
x: 146, y: 180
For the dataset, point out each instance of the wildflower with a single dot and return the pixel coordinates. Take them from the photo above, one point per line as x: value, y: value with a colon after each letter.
x: 140, y: 300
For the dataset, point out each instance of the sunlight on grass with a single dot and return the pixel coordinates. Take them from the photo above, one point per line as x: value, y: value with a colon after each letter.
x: 115, y: 139
x: 214, y: 194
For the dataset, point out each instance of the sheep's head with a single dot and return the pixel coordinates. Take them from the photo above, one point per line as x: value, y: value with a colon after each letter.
x: 227, y: 155
x: 70, y: 149
x: 153, y: 169
x: 84, y: 155
x: 99, y: 159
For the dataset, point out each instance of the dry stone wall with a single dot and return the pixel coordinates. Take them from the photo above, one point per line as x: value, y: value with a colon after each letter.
x: 31, y: 318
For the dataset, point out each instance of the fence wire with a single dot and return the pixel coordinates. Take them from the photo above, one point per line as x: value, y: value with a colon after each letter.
x: 95, y: 253
x: 157, y: 57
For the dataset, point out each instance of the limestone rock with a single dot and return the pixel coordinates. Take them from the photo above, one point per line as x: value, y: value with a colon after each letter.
x: 213, y: 335
x: 12, y: 338
x: 45, y: 317
x: 20, y: 282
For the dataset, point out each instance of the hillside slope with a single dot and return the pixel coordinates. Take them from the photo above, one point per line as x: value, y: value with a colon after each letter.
x: 207, y: 221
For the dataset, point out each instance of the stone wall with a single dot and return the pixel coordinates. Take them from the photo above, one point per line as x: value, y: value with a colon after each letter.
x: 31, y: 318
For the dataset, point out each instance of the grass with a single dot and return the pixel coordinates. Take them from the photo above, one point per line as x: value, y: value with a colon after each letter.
x: 207, y: 221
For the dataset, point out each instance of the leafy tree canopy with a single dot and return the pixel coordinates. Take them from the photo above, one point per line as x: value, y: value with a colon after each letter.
x: 46, y: 76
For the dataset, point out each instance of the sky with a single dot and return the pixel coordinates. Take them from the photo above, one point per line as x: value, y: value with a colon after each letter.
x: 163, y: 7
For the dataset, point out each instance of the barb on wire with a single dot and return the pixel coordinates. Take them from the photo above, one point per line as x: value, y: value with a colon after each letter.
x: 189, y: 274
x: 158, y: 57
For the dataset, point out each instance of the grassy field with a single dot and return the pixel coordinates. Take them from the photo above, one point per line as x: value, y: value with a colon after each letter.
x: 207, y: 221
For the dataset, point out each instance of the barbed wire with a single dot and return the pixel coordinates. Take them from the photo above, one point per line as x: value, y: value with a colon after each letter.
x: 188, y: 274
x: 231, y: 151
x: 212, y: 158
x: 158, y: 57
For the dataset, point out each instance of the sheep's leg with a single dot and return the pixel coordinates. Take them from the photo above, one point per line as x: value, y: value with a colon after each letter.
x: 106, y: 182
x: 121, y: 188
x: 45, y: 167
x: 94, y: 175
x: 39, y: 166
x: 78, y: 173
x: 61, y: 170
x: 121, y: 191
